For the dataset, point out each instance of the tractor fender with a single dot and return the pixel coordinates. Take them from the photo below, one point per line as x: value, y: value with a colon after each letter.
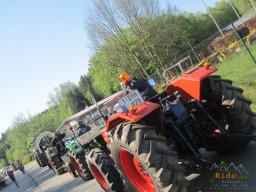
x: 71, y: 146
x: 189, y: 84
x: 144, y: 111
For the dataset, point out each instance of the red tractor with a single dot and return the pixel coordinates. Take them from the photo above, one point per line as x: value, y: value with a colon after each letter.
x: 151, y: 142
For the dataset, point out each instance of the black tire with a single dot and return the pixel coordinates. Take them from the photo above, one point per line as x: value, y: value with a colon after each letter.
x: 57, y: 165
x: 103, y: 169
x: 41, y: 159
x: 81, y: 166
x: 38, y: 161
x: 49, y: 165
x: 72, y: 170
x: 155, y: 160
x: 234, y: 108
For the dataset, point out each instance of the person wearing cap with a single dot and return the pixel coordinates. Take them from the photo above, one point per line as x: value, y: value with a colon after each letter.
x: 82, y: 128
x: 142, y: 85
x: 110, y: 111
x: 57, y: 137
x: 11, y: 175
x: 21, y: 167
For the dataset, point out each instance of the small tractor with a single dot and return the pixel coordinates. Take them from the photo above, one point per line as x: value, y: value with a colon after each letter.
x: 40, y: 144
x: 151, y: 143
x: 46, y: 154
x: 76, y: 153
x: 78, y: 146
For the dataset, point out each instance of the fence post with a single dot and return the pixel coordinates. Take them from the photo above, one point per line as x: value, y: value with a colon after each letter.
x: 247, y: 49
x: 193, y: 51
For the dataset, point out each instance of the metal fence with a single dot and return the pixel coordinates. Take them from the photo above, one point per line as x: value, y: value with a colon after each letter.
x: 219, y: 48
x: 232, y: 52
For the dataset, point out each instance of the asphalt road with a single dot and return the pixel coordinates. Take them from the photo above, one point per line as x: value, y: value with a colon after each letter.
x: 44, y: 180
x: 40, y: 179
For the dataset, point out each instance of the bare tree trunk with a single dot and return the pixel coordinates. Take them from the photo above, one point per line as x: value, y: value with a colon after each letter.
x: 110, y: 28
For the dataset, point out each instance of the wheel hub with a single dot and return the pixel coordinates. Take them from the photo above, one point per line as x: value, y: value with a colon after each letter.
x: 99, y: 176
x: 136, y: 172
x: 77, y: 166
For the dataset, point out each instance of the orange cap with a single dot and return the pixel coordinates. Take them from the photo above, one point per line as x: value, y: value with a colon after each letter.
x: 125, y: 78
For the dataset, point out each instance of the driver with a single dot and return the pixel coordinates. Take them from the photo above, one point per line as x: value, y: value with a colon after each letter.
x: 142, y: 85
x: 82, y: 128
x: 57, y: 138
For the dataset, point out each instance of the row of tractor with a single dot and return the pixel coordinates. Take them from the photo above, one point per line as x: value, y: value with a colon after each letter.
x: 148, y: 145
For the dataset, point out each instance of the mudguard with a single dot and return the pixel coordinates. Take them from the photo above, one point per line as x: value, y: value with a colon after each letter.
x: 50, y: 152
x: 189, y: 84
x: 149, y: 112
x: 73, y: 146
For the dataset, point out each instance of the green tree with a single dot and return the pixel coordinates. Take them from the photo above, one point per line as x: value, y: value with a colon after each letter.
x: 243, y: 6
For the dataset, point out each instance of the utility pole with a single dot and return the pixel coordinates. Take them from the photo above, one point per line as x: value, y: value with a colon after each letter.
x: 213, y: 18
x: 92, y: 96
x: 253, y: 4
x: 234, y: 9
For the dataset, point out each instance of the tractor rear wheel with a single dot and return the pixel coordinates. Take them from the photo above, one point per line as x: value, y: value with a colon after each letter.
x: 102, y: 168
x: 231, y: 110
x: 81, y: 166
x: 144, y: 160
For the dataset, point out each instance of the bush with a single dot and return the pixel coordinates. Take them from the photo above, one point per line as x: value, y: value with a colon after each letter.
x: 221, y: 43
x: 243, y: 31
x: 251, y: 23
x: 27, y: 158
x: 251, y: 37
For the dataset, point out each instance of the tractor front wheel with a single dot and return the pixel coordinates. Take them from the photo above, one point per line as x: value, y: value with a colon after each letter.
x: 102, y: 168
x: 56, y: 165
x: 71, y: 170
x: 144, y: 160
x: 81, y: 166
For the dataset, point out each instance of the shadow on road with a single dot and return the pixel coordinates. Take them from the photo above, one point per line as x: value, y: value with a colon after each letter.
x: 42, y: 174
x: 45, y: 180
x: 206, y: 183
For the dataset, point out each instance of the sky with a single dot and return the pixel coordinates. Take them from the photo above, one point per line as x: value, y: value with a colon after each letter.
x: 43, y: 43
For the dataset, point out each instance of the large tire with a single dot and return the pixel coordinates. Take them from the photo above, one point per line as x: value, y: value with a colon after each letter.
x: 103, y: 170
x: 72, y: 170
x: 81, y: 166
x: 57, y: 165
x: 37, y: 160
x: 232, y: 111
x: 41, y: 159
x: 144, y: 160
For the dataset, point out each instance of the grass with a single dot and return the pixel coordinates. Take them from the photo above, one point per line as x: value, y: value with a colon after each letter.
x: 240, y: 68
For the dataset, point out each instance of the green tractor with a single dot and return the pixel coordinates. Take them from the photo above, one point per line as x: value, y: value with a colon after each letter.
x: 41, y: 141
x: 89, y: 151
x: 76, y: 153
x: 78, y: 146
x: 54, y: 160
x: 53, y: 157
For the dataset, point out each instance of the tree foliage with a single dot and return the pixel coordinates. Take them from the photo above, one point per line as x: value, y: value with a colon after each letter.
x: 243, y: 6
x: 136, y: 37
